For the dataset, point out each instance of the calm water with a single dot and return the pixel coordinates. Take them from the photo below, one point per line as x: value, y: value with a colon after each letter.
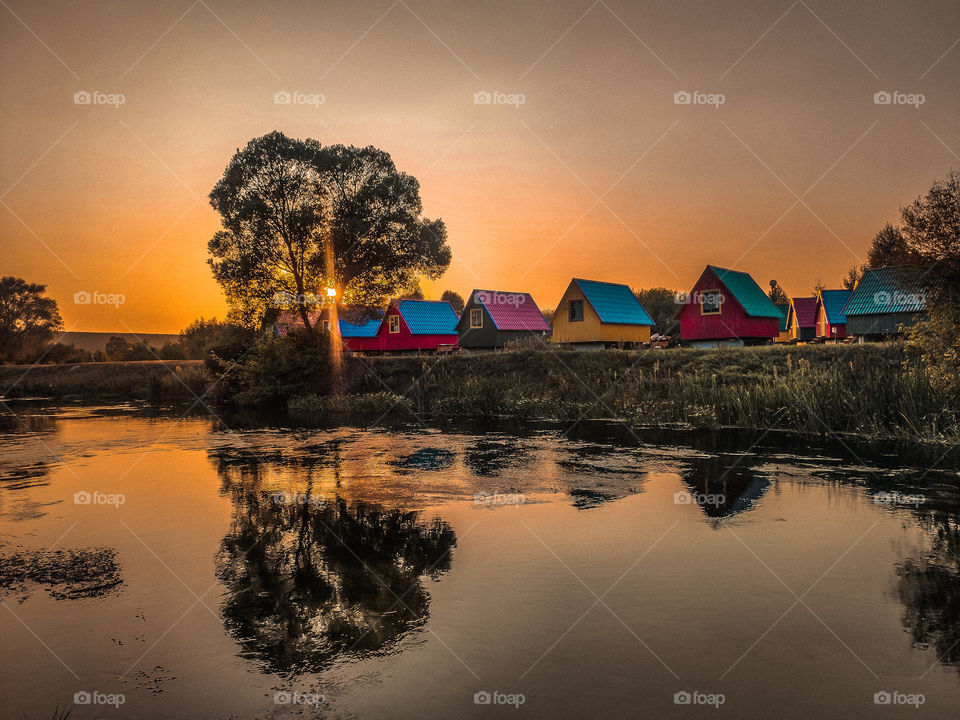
x: 194, y: 571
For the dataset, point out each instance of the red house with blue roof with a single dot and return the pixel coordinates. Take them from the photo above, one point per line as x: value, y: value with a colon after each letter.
x: 727, y: 307
x: 417, y: 325
x: 831, y: 319
x: 492, y: 318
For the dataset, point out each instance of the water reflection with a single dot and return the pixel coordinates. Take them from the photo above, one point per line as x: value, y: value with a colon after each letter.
x: 311, y: 579
x: 928, y: 585
x: 722, y: 487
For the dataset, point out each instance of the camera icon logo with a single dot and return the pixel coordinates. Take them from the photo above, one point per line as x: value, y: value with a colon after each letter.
x: 482, y: 698
x: 81, y: 297
x: 681, y: 297
x: 82, y: 498
x: 682, y: 98
x: 882, y: 298
x: 882, y: 97
x: 682, y: 697
x: 82, y: 698
x: 882, y: 698
x: 281, y: 97
x: 282, y: 698
x: 482, y: 97
x: 82, y: 97
x: 682, y: 498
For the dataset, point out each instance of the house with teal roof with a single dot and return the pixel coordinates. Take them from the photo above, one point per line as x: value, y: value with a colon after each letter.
x: 887, y: 300
x: 727, y: 307
x: 596, y: 313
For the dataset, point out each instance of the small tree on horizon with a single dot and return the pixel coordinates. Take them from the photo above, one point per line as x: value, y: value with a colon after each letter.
x: 27, y: 316
x: 777, y: 295
x: 455, y: 300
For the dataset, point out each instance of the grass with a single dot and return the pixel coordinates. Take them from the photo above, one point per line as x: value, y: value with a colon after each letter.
x: 872, y: 390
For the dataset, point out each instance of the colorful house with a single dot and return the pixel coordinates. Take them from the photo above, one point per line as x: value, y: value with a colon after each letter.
x: 492, y: 318
x: 803, y: 319
x: 600, y: 313
x: 358, y: 335
x: 831, y: 322
x: 417, y: 325
x: 784, y: 335
x: 727, y: 307
x: 886, y: 300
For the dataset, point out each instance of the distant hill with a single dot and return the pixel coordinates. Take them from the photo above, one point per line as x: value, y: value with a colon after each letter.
x: 93, y: 341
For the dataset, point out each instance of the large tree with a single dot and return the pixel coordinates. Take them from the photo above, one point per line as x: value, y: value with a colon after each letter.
x: 299, y: 217
x: 26, y: 316
x: 930, y: 226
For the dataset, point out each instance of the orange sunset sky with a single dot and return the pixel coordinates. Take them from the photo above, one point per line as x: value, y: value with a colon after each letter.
x: 597, y: 174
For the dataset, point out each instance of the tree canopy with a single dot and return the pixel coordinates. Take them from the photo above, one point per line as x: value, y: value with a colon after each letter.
x: 299, y: 217
x: 26, y: 316
x: 661, y: 303
x: 777, y: 294
x: 455, y: 300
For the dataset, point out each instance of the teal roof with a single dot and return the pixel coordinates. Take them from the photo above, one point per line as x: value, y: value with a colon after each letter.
x: 366, y: 329
x: 428, y: 317
x: 833, y: 302
x: 785, y: 311
x: 745, y: 291
x: 614, y: 303
x: 889, y: 290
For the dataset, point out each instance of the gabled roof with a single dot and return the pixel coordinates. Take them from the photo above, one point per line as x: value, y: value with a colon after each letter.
x: 745, y: 291
x: 785, y: 311
x: 510, y: 310
x: 428, y: 317
x: 614, y: 303
x: 805, y: 310
x: 833, y: 302
x: 890, y: 290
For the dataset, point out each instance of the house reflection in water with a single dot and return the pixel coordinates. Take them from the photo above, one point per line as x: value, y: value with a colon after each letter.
x: 723, y: 487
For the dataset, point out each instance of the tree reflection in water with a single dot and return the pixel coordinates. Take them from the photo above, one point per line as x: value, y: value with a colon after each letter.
x: 929, y: 588
x: 316, y: 579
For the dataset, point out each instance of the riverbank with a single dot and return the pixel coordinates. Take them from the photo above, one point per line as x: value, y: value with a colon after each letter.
x: 873, y: 391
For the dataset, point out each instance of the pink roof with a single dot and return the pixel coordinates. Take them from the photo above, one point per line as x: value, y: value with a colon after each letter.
x: 806, y: 310
x: 511, y: 311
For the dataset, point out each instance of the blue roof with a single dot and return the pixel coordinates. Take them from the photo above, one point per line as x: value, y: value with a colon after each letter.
x: 429, y: 317
x: 833, y: 304
x: 614, y: 303
x: 367, y: 329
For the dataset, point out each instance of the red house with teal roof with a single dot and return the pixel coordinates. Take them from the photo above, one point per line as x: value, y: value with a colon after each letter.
x: 727, y: 307
x: 831, y: 319
x: 417, y: 325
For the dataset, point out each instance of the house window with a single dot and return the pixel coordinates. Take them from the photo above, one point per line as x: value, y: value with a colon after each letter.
x: 576, y: 311
x: 326, y: 326
x: 476, y: 318
x: 394, y: 323
x: 710, y: 302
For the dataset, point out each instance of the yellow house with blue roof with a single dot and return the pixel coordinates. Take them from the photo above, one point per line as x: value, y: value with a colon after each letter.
x: 597, y: 312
